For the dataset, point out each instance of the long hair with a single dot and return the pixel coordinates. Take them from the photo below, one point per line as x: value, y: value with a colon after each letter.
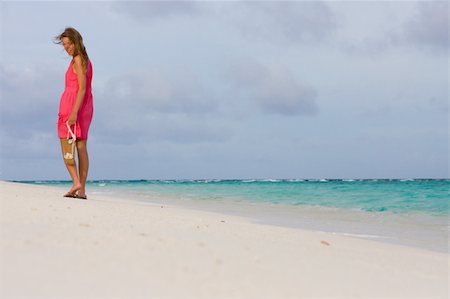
x: 75, y: 37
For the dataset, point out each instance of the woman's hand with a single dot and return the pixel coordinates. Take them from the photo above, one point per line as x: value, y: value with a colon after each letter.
x: 72, y: 119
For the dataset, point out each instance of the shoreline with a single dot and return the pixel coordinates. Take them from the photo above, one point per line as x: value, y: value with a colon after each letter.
x: 54, y: 246
x: 392, y: 228
x: 411, y: 230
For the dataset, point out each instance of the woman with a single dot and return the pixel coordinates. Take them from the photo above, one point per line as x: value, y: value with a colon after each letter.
x: 76, y: 107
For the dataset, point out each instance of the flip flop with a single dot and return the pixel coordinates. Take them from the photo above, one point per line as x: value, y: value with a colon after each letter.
x: 80, y: 197
x: 70, y: 195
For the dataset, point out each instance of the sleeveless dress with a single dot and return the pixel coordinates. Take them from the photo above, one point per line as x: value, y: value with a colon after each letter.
x: 68, y: 99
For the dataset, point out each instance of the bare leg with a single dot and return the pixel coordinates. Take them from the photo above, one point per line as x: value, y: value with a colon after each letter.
x: 83, y: 161
x: 72, y: 169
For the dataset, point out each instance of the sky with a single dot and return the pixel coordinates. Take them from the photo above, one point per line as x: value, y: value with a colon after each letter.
x: 232, y: 90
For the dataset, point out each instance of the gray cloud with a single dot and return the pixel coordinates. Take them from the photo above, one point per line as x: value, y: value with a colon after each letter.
x: 372, y: 28
x: 170, y: 122
x: 440, y: 104
x: 156, y: 91
x: 137, y: 107
x: 302, y: 21
x: 29, y: 112
x: 425, y: 29
x: 131, y: 127
x: 428, y: 27
x: 155, y: 106
x: 275, y: 89
x: 30, y: 99
x: 145, y: 10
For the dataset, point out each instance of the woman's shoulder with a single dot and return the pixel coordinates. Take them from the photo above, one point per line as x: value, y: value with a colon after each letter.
x: 78, y: 64
x: 76, y: 59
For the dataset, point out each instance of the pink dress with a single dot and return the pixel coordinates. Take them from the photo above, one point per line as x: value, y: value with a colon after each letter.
x: 68, y: 99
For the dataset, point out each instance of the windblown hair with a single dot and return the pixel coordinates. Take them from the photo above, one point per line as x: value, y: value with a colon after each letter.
x: 75, y: 37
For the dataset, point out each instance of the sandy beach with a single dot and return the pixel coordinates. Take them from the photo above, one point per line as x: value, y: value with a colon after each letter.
x: 105, y: 247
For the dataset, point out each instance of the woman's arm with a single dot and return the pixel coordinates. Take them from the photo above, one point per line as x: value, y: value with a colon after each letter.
x: 81, y: 76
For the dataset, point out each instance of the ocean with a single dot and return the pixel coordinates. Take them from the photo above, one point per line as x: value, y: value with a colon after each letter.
x: 411, y: 212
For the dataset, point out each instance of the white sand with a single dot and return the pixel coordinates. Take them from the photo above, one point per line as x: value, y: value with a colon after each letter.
x: 104, y: 247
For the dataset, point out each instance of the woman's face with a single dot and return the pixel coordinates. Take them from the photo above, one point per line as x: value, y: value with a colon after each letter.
x: 68, y: 46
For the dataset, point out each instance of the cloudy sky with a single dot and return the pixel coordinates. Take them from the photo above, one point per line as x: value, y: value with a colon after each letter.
x: 190, y: 90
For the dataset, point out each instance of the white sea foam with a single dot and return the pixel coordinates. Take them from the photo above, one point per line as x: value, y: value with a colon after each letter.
x: 362, y: 236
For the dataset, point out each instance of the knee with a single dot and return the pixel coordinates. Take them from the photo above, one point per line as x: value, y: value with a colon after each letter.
x: 81, y: 146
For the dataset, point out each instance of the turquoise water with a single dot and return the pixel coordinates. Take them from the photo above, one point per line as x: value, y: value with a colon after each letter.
x: 430, y: 197
x: 407, y: 212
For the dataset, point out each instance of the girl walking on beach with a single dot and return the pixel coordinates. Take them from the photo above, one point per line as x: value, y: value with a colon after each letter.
x: 76, y: 108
